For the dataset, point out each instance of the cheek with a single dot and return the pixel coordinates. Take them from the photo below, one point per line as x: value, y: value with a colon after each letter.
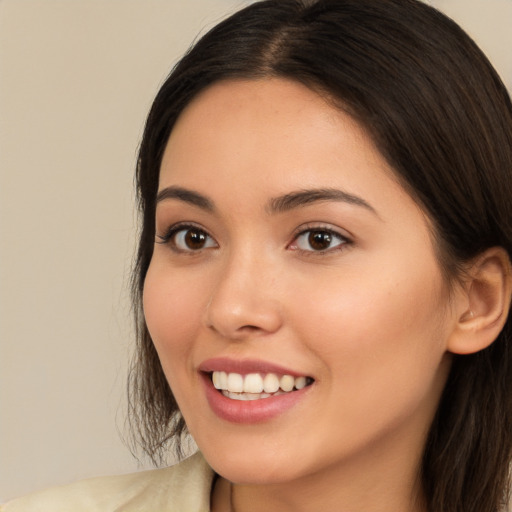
x: 377, y: 333
x: 172, y: 309
x: 362, y: 310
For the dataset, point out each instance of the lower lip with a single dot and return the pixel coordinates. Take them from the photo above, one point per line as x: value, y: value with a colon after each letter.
x: 250, y: 411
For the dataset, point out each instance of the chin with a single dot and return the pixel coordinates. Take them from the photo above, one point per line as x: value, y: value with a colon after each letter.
x: 249, y: 473
x: 253, y: 466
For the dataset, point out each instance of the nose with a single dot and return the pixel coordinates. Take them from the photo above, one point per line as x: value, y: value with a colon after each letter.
x: 244, y: 302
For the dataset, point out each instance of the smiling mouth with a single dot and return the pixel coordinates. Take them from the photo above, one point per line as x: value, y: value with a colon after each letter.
x: 256, y: 386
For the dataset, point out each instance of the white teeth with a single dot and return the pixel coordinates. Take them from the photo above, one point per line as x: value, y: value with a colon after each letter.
x: 220, y: 380
x: 300, y: 382
x: 254, y: 386
x: 286, y: 382
x: 245, y: 396
x: 216, y: 380
x: 253, y: 383
x: 235, y: 383
x: 270, y: 383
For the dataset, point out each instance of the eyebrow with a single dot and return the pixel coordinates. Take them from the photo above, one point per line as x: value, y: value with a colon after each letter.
x: 275, y: 205
x: 304, y: 197
x: 187, y: 196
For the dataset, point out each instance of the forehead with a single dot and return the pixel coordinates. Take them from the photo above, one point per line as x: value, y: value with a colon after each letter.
x: 254, y: 139
x: 272, y: 128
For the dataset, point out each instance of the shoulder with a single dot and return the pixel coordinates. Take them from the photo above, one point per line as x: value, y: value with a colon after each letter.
x: 185, y: 486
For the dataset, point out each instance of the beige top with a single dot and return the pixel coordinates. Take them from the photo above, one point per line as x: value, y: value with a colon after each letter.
x: 185, y: 487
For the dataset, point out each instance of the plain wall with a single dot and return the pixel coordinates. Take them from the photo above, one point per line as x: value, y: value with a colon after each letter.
x: 76, y: 81
x: 77, y: 78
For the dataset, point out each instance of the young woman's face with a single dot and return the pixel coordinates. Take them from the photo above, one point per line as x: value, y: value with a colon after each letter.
x: 287, y: 251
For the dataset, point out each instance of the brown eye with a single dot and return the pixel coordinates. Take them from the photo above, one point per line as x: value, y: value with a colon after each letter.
x: 195, y: 239
x: 318, y: 240
x: 189, y: 239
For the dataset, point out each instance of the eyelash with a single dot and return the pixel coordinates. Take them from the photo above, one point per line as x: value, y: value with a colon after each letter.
x: 335, y: 235
x: 170, y: 234
x: 169, y: 237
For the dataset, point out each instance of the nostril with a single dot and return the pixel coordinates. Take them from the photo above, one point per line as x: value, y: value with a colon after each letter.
x: 249, y: 328
x: 237, y: 333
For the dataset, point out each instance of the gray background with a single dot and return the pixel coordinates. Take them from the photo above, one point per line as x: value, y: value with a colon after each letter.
x: 76, y: 81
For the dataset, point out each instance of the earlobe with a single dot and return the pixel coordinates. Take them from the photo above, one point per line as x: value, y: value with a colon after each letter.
x: 488, y: 290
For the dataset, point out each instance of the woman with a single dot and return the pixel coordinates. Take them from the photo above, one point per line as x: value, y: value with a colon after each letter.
x: 323, y: 279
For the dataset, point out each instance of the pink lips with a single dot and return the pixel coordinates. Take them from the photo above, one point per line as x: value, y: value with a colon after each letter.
x: 253, y: 411
x: 244, y: 366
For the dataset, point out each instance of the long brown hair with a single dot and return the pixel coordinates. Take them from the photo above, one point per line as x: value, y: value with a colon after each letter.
x: 440, y: 115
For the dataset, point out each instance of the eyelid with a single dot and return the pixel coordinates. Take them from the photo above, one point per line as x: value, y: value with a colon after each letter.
x: 171, y: 231
x: 174, y: 228
x: 340, y: 234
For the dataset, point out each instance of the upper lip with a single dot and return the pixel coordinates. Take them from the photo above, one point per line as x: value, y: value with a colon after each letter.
x: 245, y: 366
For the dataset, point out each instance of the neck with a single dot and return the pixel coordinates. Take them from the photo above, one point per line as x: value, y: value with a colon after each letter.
x: 338, y: 493
x: 380, y: 480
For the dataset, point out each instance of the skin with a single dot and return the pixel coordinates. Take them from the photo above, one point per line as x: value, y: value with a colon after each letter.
x: 369, y: 318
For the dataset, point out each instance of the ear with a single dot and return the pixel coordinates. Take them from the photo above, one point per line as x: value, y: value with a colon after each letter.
x: 485, y: 303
